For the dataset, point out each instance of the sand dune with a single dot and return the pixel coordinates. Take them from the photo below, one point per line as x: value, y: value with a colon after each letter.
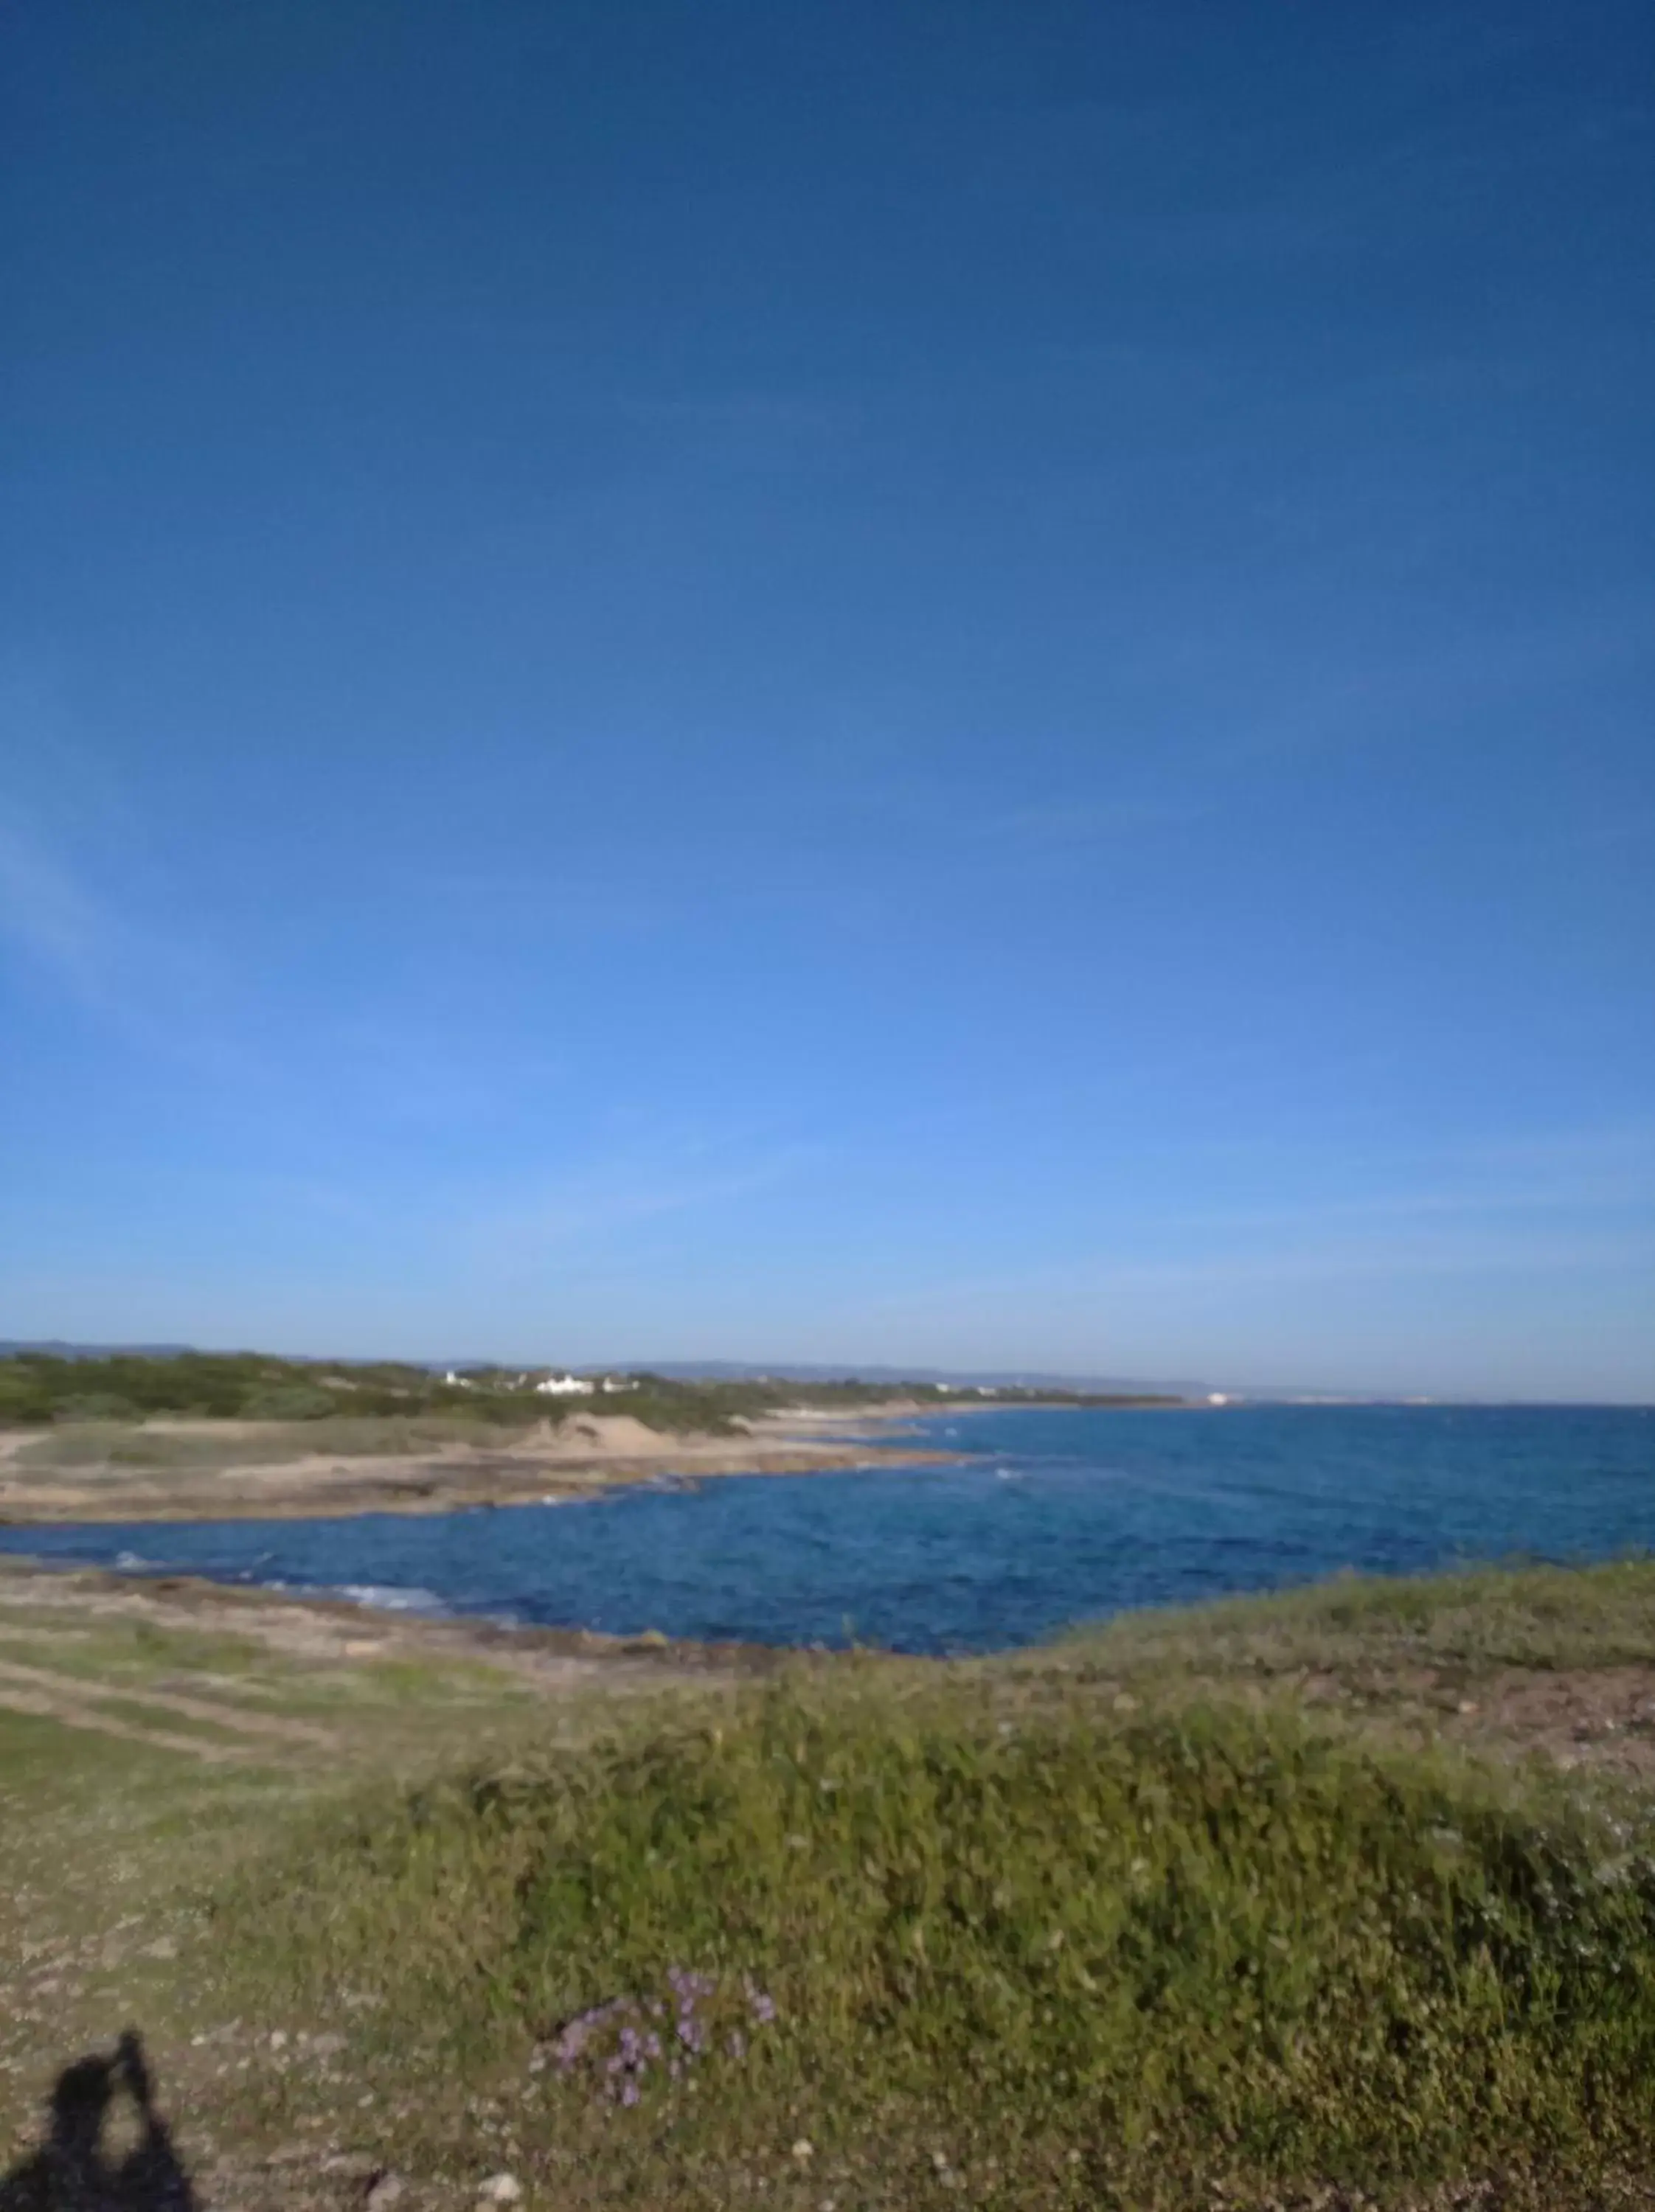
x: 568, y: 1459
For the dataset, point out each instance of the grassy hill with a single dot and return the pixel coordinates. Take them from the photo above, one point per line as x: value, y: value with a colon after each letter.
x: 1347, y: 1896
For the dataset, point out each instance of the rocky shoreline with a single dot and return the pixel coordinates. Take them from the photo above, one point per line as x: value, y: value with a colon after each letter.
x: 578, y: 1458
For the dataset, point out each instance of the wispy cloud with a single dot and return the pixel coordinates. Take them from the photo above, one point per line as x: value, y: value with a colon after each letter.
x: 1417, y: 1252
x: 603, y: 1198
x: 948, y: 807
x: 49, y: 915
x: 1586, y: 1172
x: 146, y: 981
x: 1541, y: 1207
x: 1061, y: 821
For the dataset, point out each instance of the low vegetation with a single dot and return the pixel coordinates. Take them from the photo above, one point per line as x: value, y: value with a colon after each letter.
x: 40, y: 1388
x: 1064, y: 1962
x: 183, y: 1447
x: 1455, y: 1629
x: 1341, y: 1897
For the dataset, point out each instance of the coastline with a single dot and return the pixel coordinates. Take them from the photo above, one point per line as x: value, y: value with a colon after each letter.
x: 325, y: 1624
x: 584, y: 1457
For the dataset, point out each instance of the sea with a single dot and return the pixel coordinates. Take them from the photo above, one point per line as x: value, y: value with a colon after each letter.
x: 1049, y: 1519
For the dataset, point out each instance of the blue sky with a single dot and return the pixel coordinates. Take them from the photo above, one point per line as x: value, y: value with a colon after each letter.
x: 923, y: 681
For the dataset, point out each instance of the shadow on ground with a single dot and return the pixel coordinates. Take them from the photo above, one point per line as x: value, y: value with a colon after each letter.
x: 71, y: 2172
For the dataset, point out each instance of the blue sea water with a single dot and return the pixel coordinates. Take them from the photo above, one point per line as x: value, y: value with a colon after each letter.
x: 1055, y: 1516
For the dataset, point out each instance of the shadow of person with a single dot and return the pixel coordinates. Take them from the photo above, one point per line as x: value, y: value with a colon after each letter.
x: 70, y: 2172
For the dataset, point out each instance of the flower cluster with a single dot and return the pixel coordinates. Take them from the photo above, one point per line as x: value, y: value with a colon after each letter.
x: 617, y: 2043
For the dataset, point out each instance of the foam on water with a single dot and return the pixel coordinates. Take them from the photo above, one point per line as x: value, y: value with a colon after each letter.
x: 392, y: 1599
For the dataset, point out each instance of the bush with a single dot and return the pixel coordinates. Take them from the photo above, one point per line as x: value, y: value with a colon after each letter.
x: 96, y: 1406
x: 24, y: 1400
x: 1224, y: 1941
x: 288, y: 1402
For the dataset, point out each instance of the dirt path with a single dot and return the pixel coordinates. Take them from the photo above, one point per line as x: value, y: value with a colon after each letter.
x: 117, y: 1819
x: 71, y: 1689
x: 71, y: 1712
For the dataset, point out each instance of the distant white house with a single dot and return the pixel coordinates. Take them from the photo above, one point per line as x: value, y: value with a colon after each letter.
x: 459, y: 1381
x: 565, y: 1386
x: 1218, y: 1397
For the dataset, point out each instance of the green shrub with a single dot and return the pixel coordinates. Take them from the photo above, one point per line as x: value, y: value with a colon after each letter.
x: 290, y: 1401
x: 1224, y: 1940
x: 96, y: 1406
x: 24, y: 1400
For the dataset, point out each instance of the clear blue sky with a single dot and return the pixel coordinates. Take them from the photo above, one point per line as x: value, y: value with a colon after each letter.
x: 924, y: 681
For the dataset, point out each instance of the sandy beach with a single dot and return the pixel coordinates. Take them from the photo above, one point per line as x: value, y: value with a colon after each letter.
x: 177, y: 1470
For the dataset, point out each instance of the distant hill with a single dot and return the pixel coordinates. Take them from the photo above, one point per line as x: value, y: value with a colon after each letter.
x: 739, y: 1371
x: 1001, y: 1379
x: 54, y: 1348
x: 677, y: 1370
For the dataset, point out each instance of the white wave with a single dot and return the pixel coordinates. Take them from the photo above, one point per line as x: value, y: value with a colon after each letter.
x: 388, y: 1598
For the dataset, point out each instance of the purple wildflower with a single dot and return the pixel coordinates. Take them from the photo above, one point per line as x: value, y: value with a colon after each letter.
x: 615, y: 2042
x: 571, y: 2042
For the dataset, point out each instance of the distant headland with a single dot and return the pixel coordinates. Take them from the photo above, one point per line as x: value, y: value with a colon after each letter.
x: 106, y: 1434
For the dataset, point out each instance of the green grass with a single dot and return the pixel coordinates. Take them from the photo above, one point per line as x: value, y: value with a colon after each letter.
x: 1523, y: 1616
x: 1132, y: 1921
x: 138, y: 1648
x: 1112, y: 1959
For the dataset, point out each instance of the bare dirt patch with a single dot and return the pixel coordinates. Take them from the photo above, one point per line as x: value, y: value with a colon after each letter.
x: 1602, y: 1717
x: 66, y: 1688
x: 167, y: 1469
x: 71, y: 1712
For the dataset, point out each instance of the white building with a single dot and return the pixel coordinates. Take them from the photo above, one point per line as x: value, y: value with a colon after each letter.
x: 565, y: 1386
